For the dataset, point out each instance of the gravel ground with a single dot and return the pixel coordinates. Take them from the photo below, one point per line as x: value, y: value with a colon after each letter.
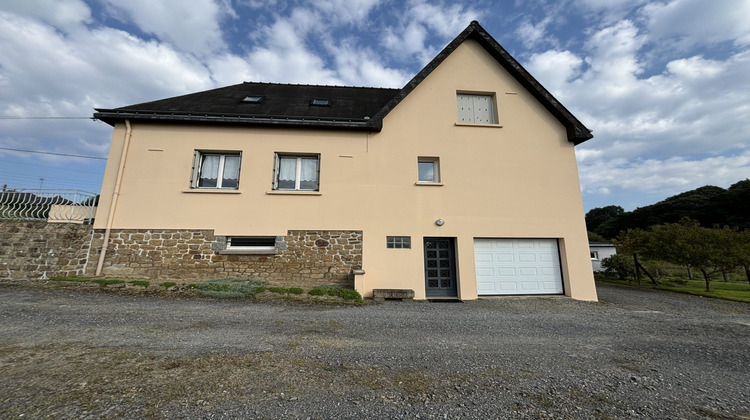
x: 76, y: 353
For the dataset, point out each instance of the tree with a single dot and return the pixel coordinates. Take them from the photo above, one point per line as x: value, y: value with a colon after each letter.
x: 686, y: 243
x: 600, y: 217
x: 595, y: 237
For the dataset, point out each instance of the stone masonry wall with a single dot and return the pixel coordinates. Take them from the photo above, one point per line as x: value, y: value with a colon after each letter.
x: 33, y: 250
x: 306, y: 259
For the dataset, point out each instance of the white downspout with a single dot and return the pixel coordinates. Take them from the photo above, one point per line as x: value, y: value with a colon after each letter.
x: 115, y: 196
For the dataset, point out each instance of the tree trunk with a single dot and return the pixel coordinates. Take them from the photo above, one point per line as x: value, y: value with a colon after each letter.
x: 724, y: 275
x: 637, y: 271
x: 747, y: 273
x: 690, y: 273
x: 708, y: 280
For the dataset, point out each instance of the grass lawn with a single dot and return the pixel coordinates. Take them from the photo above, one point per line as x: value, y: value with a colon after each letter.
x: 719, y: 289
x: 736, y: 291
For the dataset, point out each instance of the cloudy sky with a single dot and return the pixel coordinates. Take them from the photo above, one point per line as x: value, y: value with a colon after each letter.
x: 664, y: 85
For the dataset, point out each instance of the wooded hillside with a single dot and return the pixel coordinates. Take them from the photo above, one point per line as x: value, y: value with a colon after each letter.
x: 710, y: 206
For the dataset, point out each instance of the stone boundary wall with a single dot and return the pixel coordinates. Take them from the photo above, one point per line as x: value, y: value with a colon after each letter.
x: 40, y: 250
x: 307, y: 259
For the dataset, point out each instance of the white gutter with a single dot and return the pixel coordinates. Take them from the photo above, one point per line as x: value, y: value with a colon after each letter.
x: 115, y: 196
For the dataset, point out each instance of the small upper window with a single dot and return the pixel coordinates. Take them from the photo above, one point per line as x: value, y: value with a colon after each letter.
x: 321, y: 102
x: 216, y: 170
x: 296, y: 172
x: 429, y: 169
x: 476, y: 109
x: 253, y: 99
x: 594, y: 255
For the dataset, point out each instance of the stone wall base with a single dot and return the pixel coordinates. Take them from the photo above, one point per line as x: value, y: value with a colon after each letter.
x: 307, y: 259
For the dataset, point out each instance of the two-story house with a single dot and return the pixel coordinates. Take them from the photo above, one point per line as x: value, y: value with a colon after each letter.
x: 461, y: 184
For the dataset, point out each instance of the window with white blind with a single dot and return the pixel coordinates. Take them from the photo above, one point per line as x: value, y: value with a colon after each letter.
x: 216, y: 170
x: 296, y: 172
x: 476, y: 109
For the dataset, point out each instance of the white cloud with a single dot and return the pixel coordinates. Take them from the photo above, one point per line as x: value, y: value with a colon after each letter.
x: 360, y: 66
x: 699, y: 21
x: 409, y: 36
x: 283, y: 56
x: 63, y: 14
x: 666, y: 177
x: 555, y: 69
x: 189, y: 26
x: 531, y: 34
x: 346, y: 11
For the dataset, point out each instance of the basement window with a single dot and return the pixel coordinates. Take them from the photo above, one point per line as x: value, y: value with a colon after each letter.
x: 320, y: 102
x: 250, y: 245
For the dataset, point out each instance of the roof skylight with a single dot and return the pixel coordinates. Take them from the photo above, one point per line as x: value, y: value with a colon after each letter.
x: 253, y: 99
x: 320, y: 102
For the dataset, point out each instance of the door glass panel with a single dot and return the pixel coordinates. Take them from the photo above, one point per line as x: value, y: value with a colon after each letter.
x: 432, y: 283
x: 443, y: 254
x: 431, y: 254
x: 432, y: 273
x: 442, y: 245
x: 445, y: 283
x: 445, y: 273
x: 445, y: 263
x: 432, y: 264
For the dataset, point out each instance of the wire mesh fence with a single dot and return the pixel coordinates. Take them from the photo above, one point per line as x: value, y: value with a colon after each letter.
x: 53, y: 206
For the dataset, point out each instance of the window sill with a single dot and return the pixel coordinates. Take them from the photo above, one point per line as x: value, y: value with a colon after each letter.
x: 478, y: 125
x: 247, y: 252
x: 430, y: 184
x: 281, y: 192
x: 211, y: 191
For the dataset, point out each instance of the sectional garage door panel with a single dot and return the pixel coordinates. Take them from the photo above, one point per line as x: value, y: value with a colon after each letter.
x: 517, y: 267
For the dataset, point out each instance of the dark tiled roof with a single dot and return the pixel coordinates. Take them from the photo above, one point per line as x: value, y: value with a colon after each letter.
x: 350, y: 107
x: 282, y: 104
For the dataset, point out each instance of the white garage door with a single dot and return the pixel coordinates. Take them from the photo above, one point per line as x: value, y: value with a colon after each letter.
x: 517, y: 267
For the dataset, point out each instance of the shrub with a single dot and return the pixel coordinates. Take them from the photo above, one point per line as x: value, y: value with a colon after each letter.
x: 143, y: 283
x: 229, y: 287
x: 285, y: 290
x: 70, y: 278
x: 342, y: 292
x: 107, y: 282
x: 619, y: 265
x: 168, y: 284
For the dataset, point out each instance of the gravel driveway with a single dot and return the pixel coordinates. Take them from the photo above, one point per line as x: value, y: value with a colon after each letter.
x: 68, y: 353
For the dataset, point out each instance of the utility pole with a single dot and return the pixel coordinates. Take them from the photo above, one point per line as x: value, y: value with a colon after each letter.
x: 41, y: 182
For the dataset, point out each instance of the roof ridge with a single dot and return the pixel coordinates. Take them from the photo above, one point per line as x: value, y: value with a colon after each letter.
x: 318, y: 85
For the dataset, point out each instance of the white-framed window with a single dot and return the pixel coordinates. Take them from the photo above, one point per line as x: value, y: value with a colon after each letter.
x: 296, y: 172
x: 594, y: 255
x: 476, y: 108
x: 251, y: 243
x: 220, y: 170
x: 398, y: 242
x: 428, y: 169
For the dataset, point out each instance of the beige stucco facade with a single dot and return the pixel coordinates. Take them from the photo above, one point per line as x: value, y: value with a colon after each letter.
x: 515, y: 179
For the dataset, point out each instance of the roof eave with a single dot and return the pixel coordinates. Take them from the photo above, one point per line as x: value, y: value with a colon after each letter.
x: 111, y: 117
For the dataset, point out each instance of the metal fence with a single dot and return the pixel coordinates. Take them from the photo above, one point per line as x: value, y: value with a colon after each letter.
x: 53, y: 206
